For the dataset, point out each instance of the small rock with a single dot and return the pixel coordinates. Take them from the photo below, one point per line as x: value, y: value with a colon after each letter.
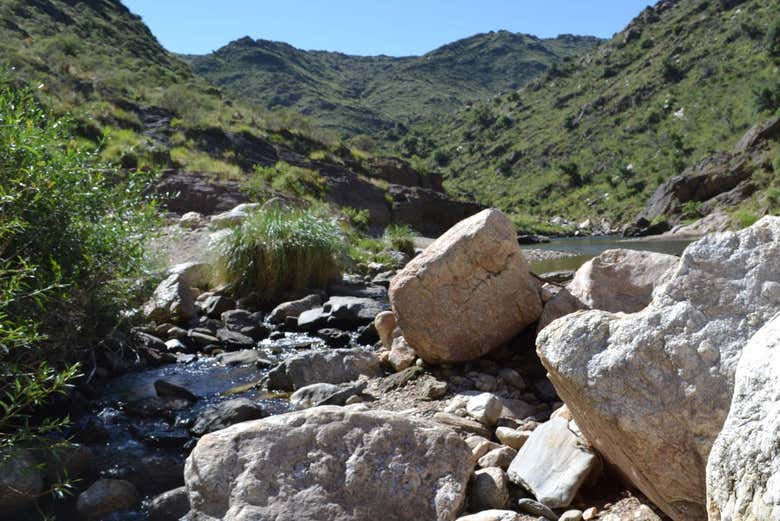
x: 571, y: 515
x: 294, y: 308
x: 335, y: 338
x: 311, y: 395
x: 401, y: 356
x: 202, y: 339
x: 590, y: 514
x: 434, y: 389
x: 192, y: 220
x: 529, y: 506
x: 501, y: 457
x: 165, y: 389
x: 385, y: 324
x: 214, y: 305
x: 245, y: 357
x: 170, y: 505
x: 483, y: 447
x: 106, y: 496
x: 492, y: 515
x: 488, y: 489
x: 461, y: 424
x: 553, y: 464
x: 172, y: 301
x: 485, y: 408
x: 512, y: 378
x: 512, y: 437
x: 225, y: 414
x: 175, y: 345
x: 483, y: 382
x: 233, y: 341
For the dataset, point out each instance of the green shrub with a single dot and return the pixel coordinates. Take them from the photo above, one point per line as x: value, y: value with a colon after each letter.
x: 278, y: 250
x: 692, y: 209
x: 357, y: 218
x: 294, y: 180
x: 745, y: 218
x: 400, y: 238
x: 71, y: 236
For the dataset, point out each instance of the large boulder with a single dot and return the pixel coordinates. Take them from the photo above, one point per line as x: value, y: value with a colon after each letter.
x: 329, y: 464
x: 333, y: 366
x: 651, y: 390
x: 172, y: 301
x: 743, y: 470
x: 622, y: 280
x: 467, y: 293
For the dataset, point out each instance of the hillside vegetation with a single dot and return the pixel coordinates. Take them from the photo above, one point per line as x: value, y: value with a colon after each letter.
x: 364, y: 94
x: 596, y: 136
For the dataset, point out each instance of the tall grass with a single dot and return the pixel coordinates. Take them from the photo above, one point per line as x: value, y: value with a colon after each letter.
x: 400, y: 238
x: 279, y: 250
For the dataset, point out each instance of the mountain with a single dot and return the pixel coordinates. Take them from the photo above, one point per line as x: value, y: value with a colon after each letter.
x: 594, y: 137
x: 363, y: 94
x: 98, y: 62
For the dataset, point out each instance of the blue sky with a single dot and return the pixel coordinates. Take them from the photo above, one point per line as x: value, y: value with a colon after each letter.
x: 367, y: 27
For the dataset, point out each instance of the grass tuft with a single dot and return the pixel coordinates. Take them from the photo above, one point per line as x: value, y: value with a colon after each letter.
x: 280, y: 250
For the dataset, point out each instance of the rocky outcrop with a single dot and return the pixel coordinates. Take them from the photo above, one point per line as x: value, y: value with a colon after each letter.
x: 718, y: 181
x: 651, y: 390
x: 743, y: 469
x: 430, y: 212
x: 329, y: 464
x: 622, y: 280
x: 183, y: 192
x: 400, y: 172
x: 467, y: 293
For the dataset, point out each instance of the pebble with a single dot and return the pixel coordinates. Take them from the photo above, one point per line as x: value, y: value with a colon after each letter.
x: 512, y: 437
x: 529, y: 506
x: 571, y: 515
x: 501, y: 457
x: 590, y: 514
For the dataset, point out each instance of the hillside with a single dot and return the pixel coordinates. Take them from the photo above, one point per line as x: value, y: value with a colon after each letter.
x: 146, y: 110
x: 594, y: 137
x: 363, y: 94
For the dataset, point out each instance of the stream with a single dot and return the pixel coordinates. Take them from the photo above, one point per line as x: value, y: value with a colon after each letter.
x: 130, y: 442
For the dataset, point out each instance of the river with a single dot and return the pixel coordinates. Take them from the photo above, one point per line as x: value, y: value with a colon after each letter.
x: 580, y: 250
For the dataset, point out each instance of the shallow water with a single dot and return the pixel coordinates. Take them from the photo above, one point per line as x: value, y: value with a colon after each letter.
x: 585, y: 248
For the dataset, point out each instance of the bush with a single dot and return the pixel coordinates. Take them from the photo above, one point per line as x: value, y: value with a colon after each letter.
x: 400, y: 238
x: 283, y: 177
x: 279, y: 250
x: 359, y: 219
x: 745, y: 218
x: 71, y: 236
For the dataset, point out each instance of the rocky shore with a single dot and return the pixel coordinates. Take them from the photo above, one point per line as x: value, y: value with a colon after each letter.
x: 452, y: 386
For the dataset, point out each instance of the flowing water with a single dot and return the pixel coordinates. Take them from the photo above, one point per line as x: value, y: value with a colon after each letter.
x: 581, y: 249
